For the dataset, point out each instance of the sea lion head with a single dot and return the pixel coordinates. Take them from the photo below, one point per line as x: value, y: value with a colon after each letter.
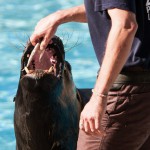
x: 44, y: 68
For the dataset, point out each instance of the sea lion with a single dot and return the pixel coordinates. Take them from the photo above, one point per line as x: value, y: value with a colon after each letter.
x: 46, y: 104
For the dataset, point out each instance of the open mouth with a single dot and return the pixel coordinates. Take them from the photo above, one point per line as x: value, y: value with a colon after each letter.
x: 48, y: 61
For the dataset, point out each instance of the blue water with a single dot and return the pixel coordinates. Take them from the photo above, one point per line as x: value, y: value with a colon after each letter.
x: 17, y: 21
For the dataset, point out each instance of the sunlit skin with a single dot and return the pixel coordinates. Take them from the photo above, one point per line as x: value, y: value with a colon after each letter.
x: 118, y: 47
x: 47, y: 26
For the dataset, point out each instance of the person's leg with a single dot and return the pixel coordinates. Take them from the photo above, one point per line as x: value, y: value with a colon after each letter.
x: 126, y: 121
x: 88, y: 142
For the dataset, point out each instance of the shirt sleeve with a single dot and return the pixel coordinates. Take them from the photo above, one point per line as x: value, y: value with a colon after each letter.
x: 102, y: 5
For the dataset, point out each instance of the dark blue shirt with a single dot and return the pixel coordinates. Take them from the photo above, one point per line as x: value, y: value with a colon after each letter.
x: 99, y: 25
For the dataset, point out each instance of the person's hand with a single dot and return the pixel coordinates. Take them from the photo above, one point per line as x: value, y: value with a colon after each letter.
x: 91, y: 116
x: 45, y: 30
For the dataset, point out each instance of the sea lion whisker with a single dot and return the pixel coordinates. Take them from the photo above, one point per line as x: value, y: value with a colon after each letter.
x: 39, y: 73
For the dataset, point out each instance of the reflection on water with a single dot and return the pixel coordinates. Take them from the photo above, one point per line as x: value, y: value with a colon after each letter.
x: 17, y: 21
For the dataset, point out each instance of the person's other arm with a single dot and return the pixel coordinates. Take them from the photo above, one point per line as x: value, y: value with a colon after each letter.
x: 47, y: 26
x: 118, y: 47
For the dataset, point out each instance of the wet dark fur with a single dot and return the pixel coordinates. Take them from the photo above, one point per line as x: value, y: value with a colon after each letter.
x: 46, y: 111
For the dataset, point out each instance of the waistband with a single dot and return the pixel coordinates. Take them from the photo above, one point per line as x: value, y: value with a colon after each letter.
x: 133, y: 77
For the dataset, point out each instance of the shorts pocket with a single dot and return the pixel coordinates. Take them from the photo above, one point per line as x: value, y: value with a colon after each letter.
x: 116, y: 111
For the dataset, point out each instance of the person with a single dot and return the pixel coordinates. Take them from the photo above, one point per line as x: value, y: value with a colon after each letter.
x: 117, y: 116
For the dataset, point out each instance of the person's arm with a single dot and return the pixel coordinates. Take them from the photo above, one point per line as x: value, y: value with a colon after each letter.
x: 47, y: 26
x: 118, y: 47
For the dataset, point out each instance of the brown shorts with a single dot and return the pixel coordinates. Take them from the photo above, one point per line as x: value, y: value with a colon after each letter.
x: 126, y: 121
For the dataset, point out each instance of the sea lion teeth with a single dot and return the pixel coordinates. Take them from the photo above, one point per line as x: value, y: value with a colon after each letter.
x: 27, y: 70
x: 50, y: 69
x: 36, y: 48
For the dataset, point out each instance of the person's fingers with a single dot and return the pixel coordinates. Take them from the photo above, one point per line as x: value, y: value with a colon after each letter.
x: 34, y: 39
x: 97, y: 123
x: 98, y: 127
x: 86, y: 126
x: 44, y: 42
x: 92, y: 124
x: 47, y: 38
